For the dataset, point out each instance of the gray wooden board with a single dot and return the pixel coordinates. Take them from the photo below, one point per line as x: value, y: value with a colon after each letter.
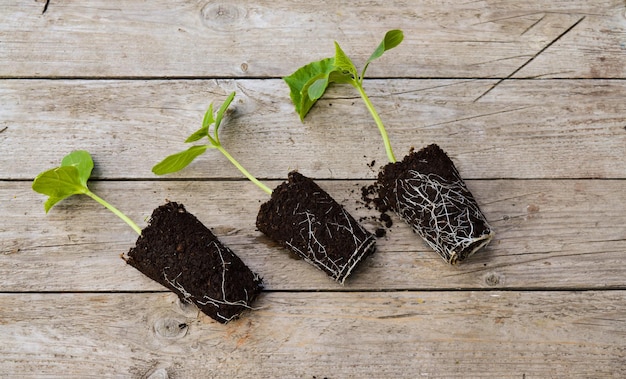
x: 526, y: 97
x: 520, y: 129
x: 327, y: 334
x: 549, y: 234
x: 104, y: 38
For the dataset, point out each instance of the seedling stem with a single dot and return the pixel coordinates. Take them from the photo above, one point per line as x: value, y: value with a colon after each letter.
x: 243, y: 170
x: 115, y: 211
x: 379, y: 123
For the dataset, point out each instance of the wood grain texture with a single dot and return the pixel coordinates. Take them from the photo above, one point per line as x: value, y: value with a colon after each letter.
x: 549, y: 234
x: 520, y: 129
x: 190, y: 38
x: 526, y: 97
x: 306, y: 335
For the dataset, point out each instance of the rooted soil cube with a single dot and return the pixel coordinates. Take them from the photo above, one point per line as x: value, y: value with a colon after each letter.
x: 426, y: 190
x: 306, y: 220
x: 179, y: 252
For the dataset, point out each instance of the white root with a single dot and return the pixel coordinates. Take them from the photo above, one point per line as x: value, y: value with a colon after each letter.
x: 205, y: 300
x: 316, y: 253
x: 442, y: 212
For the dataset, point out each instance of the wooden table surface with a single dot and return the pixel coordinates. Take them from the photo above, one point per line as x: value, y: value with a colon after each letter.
x: 528, y: 98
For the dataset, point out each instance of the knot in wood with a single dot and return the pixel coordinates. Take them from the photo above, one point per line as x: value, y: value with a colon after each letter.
x: 492, y: 279
x: 170, y: 328
x: 159, y: 374
x: 223, y: 16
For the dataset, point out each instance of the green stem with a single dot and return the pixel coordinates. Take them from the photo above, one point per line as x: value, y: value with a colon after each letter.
x: 378, y: 121
x: 115, y: 211
x: 244, y: 171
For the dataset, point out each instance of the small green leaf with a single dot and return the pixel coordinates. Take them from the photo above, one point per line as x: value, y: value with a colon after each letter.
x: 66, y: 180
x: 301, y: 80
x: 198, y: 134
x: 80, y: 159
x: 392, y: 39
x: 343, y: 63
x: 204, y: 130
x: 59, y: 183
x: 317, y: 89
x: 71, y: 179
x: 208, y: 117
x: 220, y: 113
x: 178, y: 161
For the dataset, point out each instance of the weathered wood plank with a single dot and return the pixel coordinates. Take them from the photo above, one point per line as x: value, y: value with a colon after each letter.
x: 550, y: 234
x: 520, y: 129
x: 502, y: 86
x: 104, y: 38
x: 305, y: 335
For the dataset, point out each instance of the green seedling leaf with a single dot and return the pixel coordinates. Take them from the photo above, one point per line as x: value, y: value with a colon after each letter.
x: 309, y: 82
x: 316, y: 75
x: 71, y: 179
x: 392, y: 39
x: 343, y: 63
x: 344, y: 72
x: 208, y: 117
x: 178, y: 161
x: 220, y: 115
x: 83, y: 163
x: 198, y: 134
x: 317, y: 89
x: 59, y: 183
x: 204, y: 130
x: 66, y: 180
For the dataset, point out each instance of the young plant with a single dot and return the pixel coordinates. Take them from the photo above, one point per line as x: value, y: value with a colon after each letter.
x: 178, y: 161
x: 300, y: 215
x: 425, y: 189
x: 308, y: 83
x: 175, y: 249
x: 71, y: 179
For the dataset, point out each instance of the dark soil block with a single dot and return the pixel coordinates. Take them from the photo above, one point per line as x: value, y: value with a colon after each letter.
x: 306, y: 220
x: 179, y: 252
x: 426, y: 190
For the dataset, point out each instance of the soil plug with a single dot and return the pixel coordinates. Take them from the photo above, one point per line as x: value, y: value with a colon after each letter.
x: 300, y: 216
x: 175, y: 249
x: 425, y: 189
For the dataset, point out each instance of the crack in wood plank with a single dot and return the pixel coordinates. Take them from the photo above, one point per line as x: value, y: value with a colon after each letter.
x: 540, y: 256
x: 499, y: 60
x: 533, y: 25
x: 478, y: 116
x: 45, y: 7
x: 532, y: 58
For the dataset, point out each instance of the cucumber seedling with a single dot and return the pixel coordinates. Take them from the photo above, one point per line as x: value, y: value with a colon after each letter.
x: 425, y: 189
x: 175, y: 249
x: 300, y: 216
